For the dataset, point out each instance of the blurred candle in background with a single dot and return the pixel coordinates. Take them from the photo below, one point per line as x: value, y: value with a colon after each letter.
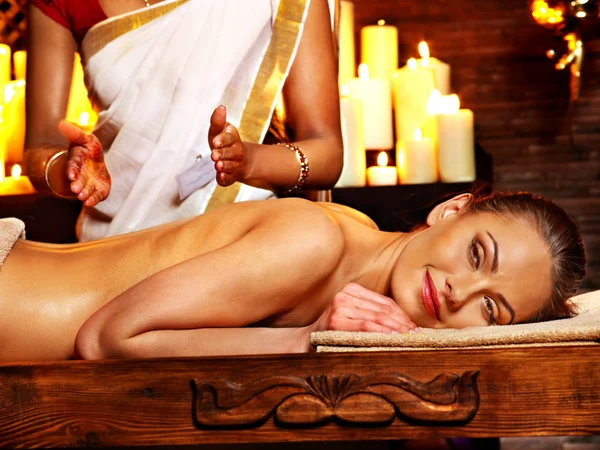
x: 347, y: 60
x: 375, y: 96
x: 4, y: 64
x: 456, y: 140
x: 382, y: 174
x: 14, y: 120
x: 20, y: 64
x: 440, y: 69
x: 416, y: 160
x: 379, y: 49
x: 16, y: 184
x: 355, y: 156
x: 412, y: 86
x: 78, y: 97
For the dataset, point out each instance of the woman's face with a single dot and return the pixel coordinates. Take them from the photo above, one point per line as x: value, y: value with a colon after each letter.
x: 472, y: 270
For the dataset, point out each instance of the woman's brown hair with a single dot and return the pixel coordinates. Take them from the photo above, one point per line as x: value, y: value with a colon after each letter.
x: 559, y: 232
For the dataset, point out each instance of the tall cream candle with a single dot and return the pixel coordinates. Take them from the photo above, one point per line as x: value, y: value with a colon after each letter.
x: 355, y: 157
x: 4, y: 64
x: 412, y: 87
x: 375, y: 95
x: 347, y: 59
x: 20, y: 64
x: 440, y: 69
x: 14, y: 116
x: 456, y: 141
x: 379, y: 49
x: 416, y: 160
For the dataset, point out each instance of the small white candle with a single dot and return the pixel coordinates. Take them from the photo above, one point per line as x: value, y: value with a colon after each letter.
x: 456, y: 141
x: 376, y: 101
x: 14, y: 119
x: 16, y: 184
x: 20, y: 64
x: 412, y: 87
x: 416, y: 160
x: 347, y: 60
x: 382, y: 174
x: 379, y: 49
x: 440, y: 69
x: 4, y: 64
x: 355, y: 157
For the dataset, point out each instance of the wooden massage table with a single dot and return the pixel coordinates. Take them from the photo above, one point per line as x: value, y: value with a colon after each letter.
x: 539, y: 390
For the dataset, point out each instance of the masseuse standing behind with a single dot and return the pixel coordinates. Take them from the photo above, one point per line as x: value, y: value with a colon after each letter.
x: 157, y: 86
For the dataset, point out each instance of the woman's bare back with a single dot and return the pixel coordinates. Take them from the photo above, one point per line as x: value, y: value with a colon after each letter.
x: 49, y: 291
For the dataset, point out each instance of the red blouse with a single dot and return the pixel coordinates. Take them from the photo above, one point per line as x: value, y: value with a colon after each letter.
x: 76, y: 15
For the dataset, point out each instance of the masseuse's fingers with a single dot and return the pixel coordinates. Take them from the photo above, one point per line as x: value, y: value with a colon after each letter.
x: 380, y: 302
x: 218, y: 119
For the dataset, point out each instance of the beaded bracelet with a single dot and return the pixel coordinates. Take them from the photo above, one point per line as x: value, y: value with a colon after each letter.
x: 303, y: 162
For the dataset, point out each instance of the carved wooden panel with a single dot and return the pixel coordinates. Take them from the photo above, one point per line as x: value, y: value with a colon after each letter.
x: 348, y: 400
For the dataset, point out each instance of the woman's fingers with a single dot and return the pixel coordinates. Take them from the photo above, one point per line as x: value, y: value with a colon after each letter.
x: 378, y: 318
x: 218, y: 119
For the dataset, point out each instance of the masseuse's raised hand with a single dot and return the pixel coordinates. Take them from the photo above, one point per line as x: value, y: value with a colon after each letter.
x: 356, y: 308
x: 227, y: 148
x: 90, y: 180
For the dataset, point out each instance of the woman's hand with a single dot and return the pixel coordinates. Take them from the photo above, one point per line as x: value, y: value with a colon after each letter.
x: 227, y: 149
x: 86, y: 170
x: 356, y: 308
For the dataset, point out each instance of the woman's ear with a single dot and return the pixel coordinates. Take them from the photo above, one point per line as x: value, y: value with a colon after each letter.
x: 456, y: 205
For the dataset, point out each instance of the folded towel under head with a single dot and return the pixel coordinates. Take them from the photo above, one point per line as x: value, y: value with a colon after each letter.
x: 11, y: 230
x: 585, y: 327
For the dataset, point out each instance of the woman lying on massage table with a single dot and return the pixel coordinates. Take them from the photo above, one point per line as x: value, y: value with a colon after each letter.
x: 264, y: 275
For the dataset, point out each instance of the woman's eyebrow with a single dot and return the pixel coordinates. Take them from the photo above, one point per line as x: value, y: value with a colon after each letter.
x: 495, y: 256
x: 494, y: 269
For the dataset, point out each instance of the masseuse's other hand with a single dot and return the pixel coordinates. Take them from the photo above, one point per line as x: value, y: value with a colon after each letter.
x: 355, y: 308
x: 227, y: 148
x: 86, y: 170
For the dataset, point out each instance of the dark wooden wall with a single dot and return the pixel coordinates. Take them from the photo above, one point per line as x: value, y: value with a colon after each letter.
x: 520, y: 102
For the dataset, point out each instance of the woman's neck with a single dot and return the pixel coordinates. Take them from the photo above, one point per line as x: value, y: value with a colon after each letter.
x: 381, y: 255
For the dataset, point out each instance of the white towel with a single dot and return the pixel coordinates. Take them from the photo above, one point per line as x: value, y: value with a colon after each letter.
x: 11, y: 229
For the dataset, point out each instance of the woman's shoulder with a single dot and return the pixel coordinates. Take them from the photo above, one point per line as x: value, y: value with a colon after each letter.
x: 351, y: 213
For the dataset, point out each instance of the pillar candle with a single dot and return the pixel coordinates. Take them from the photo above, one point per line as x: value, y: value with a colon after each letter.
x: 16, y: 184
x: 412, y: 87
x: 416, y: 160
x: 382, y: 174
x: 375, y: 96
x: 4, y: 64
x: 440, y: 69
x: 20, y: 64
x: 456, y: 142
x: 355, y: 156
x: 14, y: 118
x: 347, y: 60
x: 78, y: 97
x: 379, y: 49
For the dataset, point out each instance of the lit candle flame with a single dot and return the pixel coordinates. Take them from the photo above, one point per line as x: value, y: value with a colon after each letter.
x: 381, y: 22
x: 418, y: 134
x: 84, y: 118
x: 344, y: 90
x: 412, y: 63
x: 424, y: 52
x: 15, y: 172
x: 3, y: 51
x: 442, y: 104
x: 9, y: 92
x: 363, y: 71
x: 382, y: 159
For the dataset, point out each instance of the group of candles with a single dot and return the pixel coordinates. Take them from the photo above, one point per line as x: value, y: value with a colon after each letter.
x: 12, y: 116
x: 434, y: 138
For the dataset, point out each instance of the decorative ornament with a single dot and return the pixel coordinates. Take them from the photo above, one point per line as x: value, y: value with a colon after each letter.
x: 575, y: 21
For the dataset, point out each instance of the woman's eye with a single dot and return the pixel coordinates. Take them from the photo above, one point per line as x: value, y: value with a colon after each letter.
x: 489, y: 309
x: 474, y: 255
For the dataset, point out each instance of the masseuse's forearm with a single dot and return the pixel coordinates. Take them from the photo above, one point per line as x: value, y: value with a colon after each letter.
x: 35, y: 164
x: 276, y: 168
x: 207, y: 342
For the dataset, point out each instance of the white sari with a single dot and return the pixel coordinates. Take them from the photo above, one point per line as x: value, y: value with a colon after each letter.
x: 156, y: 75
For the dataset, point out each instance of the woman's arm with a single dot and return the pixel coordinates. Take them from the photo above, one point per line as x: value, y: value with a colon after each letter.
x: 50, y: 57
x: 197, y: 307
x: 312, y: 109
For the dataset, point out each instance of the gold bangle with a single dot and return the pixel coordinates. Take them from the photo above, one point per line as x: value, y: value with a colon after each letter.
x: 51, y: 160
x: 304, y: 169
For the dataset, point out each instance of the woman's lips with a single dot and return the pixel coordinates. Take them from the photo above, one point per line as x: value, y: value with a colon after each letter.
x: 430, y: 297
